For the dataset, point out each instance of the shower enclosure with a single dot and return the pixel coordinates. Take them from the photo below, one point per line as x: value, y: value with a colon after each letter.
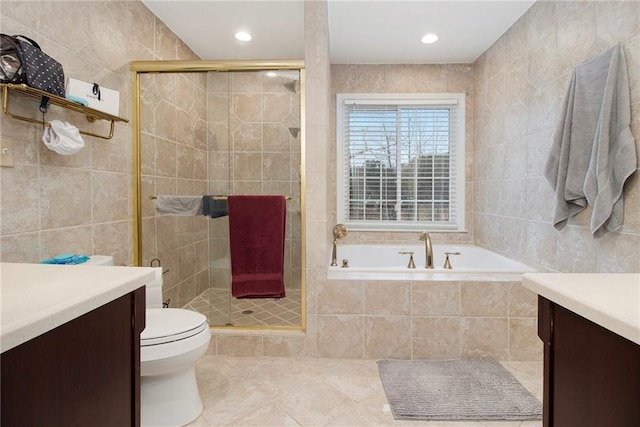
x: 219, y: 128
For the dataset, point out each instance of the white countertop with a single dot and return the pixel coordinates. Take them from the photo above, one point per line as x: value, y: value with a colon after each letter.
x: 36, y: 298
x: 609, y: 300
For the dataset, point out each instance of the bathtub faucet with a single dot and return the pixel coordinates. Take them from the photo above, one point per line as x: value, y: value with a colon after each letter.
x: 339, y: 232
x: 428, y: 250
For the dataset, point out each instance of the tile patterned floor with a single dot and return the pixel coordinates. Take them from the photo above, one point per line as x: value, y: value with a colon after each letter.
x: 222, y: 309
x: 261, y: 392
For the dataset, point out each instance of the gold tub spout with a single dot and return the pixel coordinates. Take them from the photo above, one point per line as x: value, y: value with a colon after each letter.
x: 339, y: 231
x: 428, y: 250
x: 334, y: 255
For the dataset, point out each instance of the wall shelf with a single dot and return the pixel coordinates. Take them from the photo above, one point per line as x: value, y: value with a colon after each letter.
x: 50, y: 99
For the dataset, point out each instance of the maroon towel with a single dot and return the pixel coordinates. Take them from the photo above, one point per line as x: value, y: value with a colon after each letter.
x: 256, y: 238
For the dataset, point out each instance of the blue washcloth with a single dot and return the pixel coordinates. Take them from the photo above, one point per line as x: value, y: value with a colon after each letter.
x: 78, y: 100
x: 66, y: 259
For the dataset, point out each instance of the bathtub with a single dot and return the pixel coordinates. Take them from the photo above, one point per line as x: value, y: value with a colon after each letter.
x: 384, y: 262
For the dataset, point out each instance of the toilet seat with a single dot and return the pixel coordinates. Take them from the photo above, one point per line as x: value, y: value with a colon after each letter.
x: 166, y: 325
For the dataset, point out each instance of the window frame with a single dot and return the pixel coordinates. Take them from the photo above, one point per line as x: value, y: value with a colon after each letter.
x: 457, y: 175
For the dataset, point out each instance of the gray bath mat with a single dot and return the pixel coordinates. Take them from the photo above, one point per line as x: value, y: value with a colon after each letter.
x: 455, y: 390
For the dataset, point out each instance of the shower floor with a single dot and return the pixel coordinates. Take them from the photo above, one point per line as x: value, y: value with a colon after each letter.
x: 222, y: 309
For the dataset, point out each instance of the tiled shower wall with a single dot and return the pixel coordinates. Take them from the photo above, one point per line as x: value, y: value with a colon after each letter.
x: 54, y: 204
x: 520, y: 84
x: 174, y: 161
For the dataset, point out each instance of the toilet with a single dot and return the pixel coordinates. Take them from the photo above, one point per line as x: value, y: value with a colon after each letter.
x: 171, y: 343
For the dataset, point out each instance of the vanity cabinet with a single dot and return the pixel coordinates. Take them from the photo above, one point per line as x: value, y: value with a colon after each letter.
x: 591, y: 374
x: 85, y: 372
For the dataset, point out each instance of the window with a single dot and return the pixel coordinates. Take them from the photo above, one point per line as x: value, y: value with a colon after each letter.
x: 401, y: 161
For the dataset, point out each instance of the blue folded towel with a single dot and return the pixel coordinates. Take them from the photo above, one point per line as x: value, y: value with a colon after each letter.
x: 78, y: 100
x: 66, y: 259
x: 214, y: 208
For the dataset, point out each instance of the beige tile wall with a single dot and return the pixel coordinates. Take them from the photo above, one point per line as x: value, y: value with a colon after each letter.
x: 519, y: 87
x: 52, y: 204
x: 174, y: 159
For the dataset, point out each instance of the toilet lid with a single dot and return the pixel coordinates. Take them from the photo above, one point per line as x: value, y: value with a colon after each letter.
x: 171, y: 324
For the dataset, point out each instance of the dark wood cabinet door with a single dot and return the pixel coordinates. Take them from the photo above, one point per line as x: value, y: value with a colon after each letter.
x: 592, y: 375
x: 83, y: 373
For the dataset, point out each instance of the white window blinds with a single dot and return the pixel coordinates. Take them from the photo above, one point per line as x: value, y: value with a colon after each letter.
x: 402, y: 163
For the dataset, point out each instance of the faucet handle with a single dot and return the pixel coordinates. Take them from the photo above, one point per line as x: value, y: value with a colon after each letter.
x: 447, y: 263
x: 412, y: 264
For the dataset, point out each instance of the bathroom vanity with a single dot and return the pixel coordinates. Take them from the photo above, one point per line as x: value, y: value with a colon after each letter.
x: 70, y: 341
x: 590, y: 327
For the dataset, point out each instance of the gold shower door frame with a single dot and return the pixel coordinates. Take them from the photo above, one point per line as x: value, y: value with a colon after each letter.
x: 189, y: 66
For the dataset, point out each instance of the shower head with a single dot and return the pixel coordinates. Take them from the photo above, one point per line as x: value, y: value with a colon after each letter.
x: 289, y: 77
x: 294, y: 132
x: 291, y: 86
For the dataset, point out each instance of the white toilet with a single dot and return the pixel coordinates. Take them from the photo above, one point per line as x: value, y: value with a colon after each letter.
x: 171, y: 343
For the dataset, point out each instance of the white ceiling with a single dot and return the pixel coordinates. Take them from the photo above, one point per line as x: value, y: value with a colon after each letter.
x: 361, y: 31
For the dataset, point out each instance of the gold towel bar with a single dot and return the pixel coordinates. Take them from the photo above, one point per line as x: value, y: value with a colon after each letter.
x: 214, y: 197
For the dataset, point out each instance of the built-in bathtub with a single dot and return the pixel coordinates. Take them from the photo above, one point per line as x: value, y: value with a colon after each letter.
x: 378, y: 308
x: 390, y: 262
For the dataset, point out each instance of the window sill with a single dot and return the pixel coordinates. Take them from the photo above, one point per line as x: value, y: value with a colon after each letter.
x: 409, y: 228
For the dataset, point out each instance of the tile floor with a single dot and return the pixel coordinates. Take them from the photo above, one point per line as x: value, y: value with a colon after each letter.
x: 261, y: 392
x: 221, y: 309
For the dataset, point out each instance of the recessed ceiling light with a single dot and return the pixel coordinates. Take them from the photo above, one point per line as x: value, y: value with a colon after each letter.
x: 243, y: 36
x: 429, y: 38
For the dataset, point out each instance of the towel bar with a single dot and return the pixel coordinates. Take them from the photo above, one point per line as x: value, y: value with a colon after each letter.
x: 24, y: 90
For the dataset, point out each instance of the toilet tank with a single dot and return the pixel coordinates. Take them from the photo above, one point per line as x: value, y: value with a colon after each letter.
x: 98, y: 260
x: 153, y: 292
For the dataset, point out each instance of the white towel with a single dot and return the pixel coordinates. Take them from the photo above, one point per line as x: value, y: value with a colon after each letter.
x: 585, y: 163
x: 63, y: 138
x: 179, y: 205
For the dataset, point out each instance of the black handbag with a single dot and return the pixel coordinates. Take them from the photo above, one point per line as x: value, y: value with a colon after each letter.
x: 22, y: 61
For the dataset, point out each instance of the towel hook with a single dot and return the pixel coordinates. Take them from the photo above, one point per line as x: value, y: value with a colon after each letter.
x: 44, y: 106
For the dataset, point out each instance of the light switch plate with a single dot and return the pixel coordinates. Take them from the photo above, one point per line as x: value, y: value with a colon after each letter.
x: 6, y: 153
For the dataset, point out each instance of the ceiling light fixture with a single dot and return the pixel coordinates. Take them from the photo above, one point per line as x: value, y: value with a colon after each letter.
x: 243, y: 36
x: 429, y: 38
